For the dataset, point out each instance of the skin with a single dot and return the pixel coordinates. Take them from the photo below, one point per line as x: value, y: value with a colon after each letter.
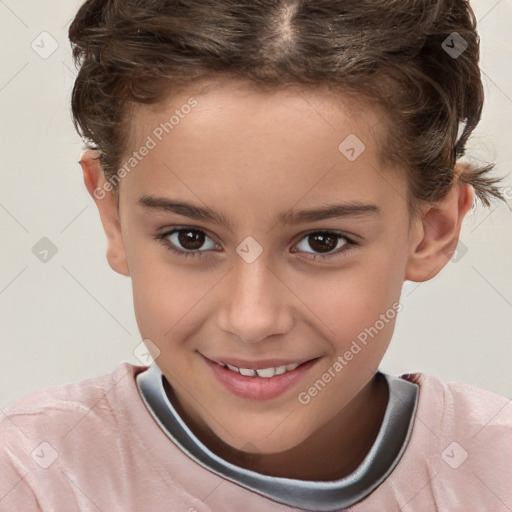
x: 252, y: 155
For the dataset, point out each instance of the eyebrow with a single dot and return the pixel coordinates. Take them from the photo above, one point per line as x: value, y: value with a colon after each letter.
x: 354, y: 209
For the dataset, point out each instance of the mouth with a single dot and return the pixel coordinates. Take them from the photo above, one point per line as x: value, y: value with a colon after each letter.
x: 260, y: 369
x: 258, y: 380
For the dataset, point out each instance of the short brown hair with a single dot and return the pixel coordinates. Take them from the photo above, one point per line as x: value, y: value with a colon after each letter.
x: 392, y: 51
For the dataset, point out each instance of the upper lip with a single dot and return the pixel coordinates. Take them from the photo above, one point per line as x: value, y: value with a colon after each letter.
x: 256, y: 365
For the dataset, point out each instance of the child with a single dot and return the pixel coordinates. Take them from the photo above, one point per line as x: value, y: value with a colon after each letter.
x: 269, y: 173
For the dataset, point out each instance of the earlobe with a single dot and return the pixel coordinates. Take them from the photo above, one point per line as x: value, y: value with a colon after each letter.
x: 106, y: 201
x: 435, y: 234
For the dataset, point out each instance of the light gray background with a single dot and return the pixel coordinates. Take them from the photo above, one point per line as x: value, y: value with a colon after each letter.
x: 72, y: 318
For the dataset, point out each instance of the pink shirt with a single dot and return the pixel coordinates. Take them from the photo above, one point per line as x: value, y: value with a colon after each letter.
x: 92, y: 445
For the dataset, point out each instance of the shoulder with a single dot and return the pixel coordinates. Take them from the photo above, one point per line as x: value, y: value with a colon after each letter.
x: 53, y: 407
x: 461, y: 407
x: 458, y: 456
x: 61, y: 430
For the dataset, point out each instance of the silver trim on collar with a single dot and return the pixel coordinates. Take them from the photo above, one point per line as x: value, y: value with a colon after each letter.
x: 386, y: 451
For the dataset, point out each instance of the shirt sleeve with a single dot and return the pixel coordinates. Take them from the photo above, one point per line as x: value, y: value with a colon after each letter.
x: 15, y: 491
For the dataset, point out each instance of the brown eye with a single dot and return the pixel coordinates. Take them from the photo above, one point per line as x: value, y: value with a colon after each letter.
x: 324, y: 244
x: 191, y: 240
x: 188, y: 241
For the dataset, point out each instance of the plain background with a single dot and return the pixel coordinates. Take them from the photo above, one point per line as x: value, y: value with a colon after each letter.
x: 71, y: 317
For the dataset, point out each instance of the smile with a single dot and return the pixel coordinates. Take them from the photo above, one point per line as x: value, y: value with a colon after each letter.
x: 266, y: 373
x: 258, y: 380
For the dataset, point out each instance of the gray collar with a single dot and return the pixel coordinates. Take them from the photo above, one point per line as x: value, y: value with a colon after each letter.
x: 382, y: 458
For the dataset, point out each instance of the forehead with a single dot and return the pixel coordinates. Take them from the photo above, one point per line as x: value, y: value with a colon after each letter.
x: 273, y: 145
x: 230, y: 101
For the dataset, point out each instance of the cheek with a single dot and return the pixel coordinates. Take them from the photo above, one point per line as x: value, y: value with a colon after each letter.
x: 360, y: 311
x: 164, y: 294
x: 345, y: 302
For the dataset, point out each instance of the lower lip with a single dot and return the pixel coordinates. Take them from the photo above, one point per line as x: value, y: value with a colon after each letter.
x: 258, y: 388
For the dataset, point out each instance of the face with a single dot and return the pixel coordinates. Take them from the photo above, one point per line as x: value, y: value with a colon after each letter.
x: 253, y: 241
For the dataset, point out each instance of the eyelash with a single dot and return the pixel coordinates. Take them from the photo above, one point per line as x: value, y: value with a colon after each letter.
x: 163, y: 238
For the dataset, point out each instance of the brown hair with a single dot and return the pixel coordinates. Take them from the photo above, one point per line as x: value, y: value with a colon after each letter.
x: 395, y: 52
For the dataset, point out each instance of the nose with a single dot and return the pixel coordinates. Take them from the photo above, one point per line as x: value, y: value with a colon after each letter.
x: 254, y: 303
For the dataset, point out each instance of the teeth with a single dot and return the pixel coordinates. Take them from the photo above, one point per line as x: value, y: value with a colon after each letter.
x: 266, y: 373
x: 247, y: 372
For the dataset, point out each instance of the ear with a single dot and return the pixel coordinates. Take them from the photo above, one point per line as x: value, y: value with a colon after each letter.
x: 435, y: 233
x: 103, y: 195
